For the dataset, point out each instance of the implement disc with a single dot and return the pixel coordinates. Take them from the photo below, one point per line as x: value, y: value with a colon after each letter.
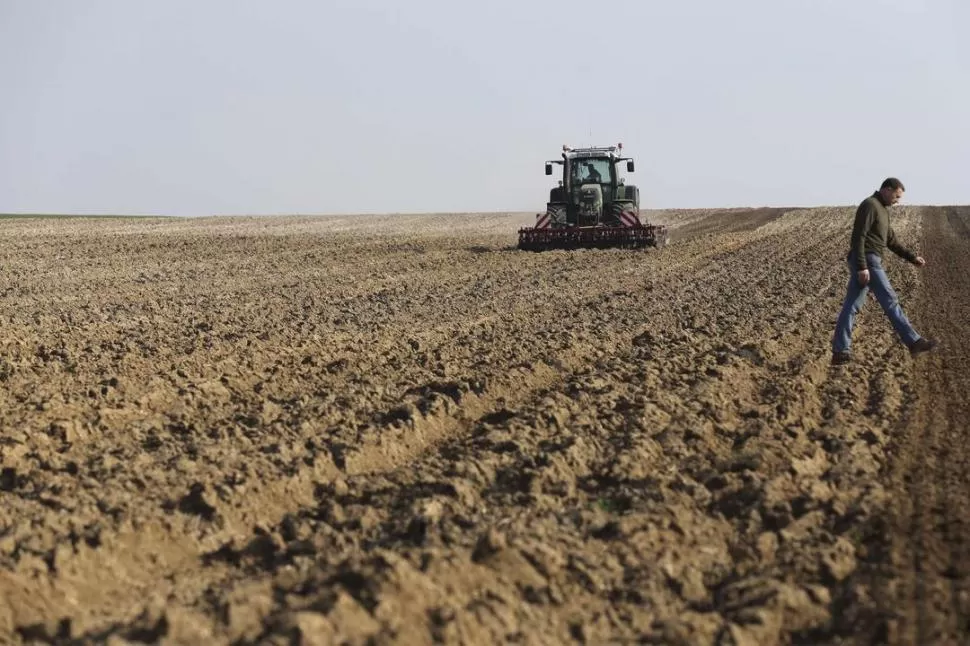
x: 531, y: 239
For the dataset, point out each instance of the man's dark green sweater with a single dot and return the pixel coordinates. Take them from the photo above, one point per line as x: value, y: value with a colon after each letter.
x: 872, y: 233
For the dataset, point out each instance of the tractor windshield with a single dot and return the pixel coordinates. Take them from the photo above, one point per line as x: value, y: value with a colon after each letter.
x: 590, y: 171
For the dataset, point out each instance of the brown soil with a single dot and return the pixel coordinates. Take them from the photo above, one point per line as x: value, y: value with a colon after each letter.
x: 399, y: 429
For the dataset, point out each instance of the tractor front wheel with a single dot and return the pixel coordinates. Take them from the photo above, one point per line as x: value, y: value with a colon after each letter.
x: 557, y: 215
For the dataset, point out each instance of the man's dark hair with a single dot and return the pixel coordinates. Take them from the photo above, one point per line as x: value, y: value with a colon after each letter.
x: 893, y: 183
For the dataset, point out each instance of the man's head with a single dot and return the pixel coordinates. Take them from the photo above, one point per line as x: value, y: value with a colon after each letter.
x: 891, y: 191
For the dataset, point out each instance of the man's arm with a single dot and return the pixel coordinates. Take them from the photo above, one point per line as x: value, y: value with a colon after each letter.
x: 892, y: 242
x: 864, y: 217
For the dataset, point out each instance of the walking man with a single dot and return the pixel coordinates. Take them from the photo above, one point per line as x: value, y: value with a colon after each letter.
x: 872, y: 234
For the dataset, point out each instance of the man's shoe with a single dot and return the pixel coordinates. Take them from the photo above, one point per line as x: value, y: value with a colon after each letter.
x: 841, y: 358
x: 920, y: 346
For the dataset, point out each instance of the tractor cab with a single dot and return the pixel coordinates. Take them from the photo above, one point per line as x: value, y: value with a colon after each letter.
x: 591, y: 171
x: 591, y: 183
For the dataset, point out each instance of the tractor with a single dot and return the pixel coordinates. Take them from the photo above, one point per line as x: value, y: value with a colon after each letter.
x: 593, y: 206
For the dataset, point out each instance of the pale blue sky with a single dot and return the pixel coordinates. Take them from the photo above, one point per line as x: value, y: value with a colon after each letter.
x: 334, y: 106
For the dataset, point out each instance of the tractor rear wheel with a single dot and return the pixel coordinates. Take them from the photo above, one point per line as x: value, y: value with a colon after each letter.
x: 617, y: 210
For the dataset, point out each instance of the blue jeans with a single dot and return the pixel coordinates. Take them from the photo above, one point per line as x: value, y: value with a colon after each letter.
x: 855, y: 298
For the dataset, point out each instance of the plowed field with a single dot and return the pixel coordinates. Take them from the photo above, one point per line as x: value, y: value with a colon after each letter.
x: 401, y: 430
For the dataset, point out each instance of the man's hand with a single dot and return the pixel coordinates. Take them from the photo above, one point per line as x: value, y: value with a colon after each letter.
x: 863, y: 277
x: 919, y: 262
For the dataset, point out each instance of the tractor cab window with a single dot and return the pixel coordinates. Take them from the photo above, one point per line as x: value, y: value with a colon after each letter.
x: 591, y: 171
x: 620, y: 170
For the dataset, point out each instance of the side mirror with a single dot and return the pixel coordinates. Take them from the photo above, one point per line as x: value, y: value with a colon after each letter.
x: 629, y: 166
x: 548, y: 169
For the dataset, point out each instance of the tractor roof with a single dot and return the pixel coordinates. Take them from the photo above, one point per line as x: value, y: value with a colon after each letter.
x: 592, y: 151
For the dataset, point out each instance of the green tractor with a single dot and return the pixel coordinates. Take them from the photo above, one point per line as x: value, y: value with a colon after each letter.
x: 593, y: 206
